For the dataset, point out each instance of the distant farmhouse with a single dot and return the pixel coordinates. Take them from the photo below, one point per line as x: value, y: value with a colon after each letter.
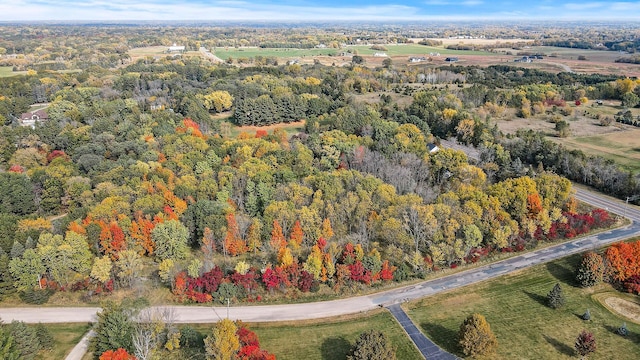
x: 451, y: 59
x: 175, y: 48
x: 380, y: 54
x: 31, y: 118
x: 417, y: 59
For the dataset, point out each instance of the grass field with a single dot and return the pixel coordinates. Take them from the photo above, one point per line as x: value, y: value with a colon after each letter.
x: 623, y: 147
x: 525, y: 327
x: 392, y: 50
x: 7, y: 71
x: 327, y: 339
x: 66, y: 336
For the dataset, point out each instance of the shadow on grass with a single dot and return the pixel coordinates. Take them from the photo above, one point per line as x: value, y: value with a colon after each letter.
x: 540, y: 299
x: 335, y: 348
x: 560, y: 346
x: 563, y: 273
x: 631, y: 336
x: 446, y: 338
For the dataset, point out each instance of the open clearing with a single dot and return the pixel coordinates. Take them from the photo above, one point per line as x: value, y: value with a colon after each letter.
x: 626, y: 308
x: 7, y: 71
x: 65, y: 337
x: 556, y: 60
x: 515, y: 307
x: 326, y: 338
x: 623, y: 147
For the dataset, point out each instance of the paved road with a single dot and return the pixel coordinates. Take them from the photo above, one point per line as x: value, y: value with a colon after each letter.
x: 427, y: 348
x: 265, y: 313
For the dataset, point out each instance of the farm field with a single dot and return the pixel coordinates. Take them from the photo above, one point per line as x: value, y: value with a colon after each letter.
x: 392, y: 50
x: 515, y: 307
x: 622, y: 147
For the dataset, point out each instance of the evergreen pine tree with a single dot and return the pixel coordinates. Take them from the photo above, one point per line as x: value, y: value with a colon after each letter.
x: 44, y: 336
x: 6, y: 280
x: 26, y: 339
x: 114, y: 329
x: 555, y: 298
x: 29, y: 243
x: 17, y: 250
x: 8, y: 349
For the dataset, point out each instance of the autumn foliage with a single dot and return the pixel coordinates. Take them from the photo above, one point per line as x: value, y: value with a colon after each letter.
x: 120, y: 354
x: 623, y: 260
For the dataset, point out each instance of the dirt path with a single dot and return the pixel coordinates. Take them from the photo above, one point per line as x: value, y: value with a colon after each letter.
x: 626, y: 308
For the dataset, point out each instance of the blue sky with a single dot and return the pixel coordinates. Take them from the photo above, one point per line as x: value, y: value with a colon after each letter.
x: 328, y: 10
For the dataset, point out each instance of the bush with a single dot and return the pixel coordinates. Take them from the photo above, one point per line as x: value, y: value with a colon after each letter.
x: 372, y: 344
x: 36, y: 296
x: 555, y: 298
x: 585, y: 343
x: 475, y: 336
x: 622, y: 330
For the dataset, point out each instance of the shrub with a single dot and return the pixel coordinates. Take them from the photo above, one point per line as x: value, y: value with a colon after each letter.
x: 622, y: 330
x: 555, y: 298
x: 475, y: 336
x: 372, y: 344
x: 36, y: 296
x: 585, y: 343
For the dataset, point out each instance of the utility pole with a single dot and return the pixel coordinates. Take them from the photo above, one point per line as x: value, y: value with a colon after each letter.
x: 626, y: 203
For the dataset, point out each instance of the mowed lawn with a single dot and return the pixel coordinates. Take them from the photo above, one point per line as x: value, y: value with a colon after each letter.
x: 331, y: 339
x: 326, y: 338
x: 515, y: 307
x: 65, y: 336
x: 623, y: 147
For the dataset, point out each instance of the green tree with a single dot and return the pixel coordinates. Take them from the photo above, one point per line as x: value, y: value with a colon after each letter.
x: 591, y: 269
x: 223, y: 343
x: 6, y: 280
x: 475, y: 336
x: 26, y: 339
x: 171, y: 240
x: 555, y: 298
x: 27, y: 270
x: 16, y: 194
x: 65, y: 258
x: 44, y: 336
x: 562, y: 127
x: 101, y: 269
x: 129, y: 265
x: 630, y: 100
x: 114, y: 329
x: 372, y: 344
x: 585, y: 344
x: 8, y: 348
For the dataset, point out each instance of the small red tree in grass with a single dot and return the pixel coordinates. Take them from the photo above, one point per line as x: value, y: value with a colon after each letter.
x: 585, y: 343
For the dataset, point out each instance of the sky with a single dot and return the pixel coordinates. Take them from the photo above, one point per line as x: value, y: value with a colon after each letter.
x: 309, y: 11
